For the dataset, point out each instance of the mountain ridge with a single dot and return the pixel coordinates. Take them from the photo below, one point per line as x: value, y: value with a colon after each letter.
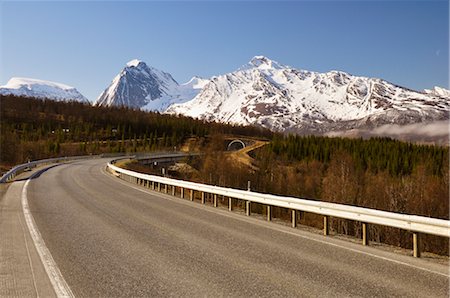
x: 266, y: 93
x: 262, y: 92
x: 20, y: 86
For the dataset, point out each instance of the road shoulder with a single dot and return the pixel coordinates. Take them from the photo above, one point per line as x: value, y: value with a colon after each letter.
x: 21, y: 269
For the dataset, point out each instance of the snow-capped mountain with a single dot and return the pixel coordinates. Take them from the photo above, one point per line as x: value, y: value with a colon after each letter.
x: 438, y: 91
x: 266, y: 93
x: 41, y: 89
x: 147, y: 88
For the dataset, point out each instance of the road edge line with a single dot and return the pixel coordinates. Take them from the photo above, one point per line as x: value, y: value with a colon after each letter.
x: 58, y: 282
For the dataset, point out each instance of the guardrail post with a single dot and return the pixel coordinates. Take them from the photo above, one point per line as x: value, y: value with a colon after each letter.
x: 203, y: 197
x: 416, y: 244
x: 294, y: 218
x: 191, y: 195
x: 159, y: 186
x: 166, y: 190
x: 182, y: 193
x: 153, y: 185
x: 326, y: 224
x: 269, y: 213
x: 365, y: 235
x: 173, y: 190
x: 215, y: 200
x: 230, y: 207
x: 248, y: 206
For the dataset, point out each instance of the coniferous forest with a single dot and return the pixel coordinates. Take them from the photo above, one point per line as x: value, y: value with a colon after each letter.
x: 34, y: 129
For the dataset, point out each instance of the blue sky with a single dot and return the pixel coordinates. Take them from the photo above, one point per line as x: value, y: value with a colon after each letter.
x: 85, y: 44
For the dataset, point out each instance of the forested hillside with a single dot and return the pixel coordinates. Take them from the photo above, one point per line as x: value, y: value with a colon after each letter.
x: 376, y: 154
x: 34, y: 129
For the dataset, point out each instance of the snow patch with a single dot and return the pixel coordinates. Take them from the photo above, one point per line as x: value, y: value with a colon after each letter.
x: 134, y: 63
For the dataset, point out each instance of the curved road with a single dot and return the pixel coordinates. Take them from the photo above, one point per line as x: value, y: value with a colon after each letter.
x: 111, y: 238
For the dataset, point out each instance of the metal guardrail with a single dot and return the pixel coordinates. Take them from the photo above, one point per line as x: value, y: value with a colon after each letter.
x: 414, y: 223
x: 11, y: 174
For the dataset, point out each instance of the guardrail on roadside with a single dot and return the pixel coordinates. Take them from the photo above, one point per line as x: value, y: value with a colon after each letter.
x: 414, y: 223
x: 11, y: 174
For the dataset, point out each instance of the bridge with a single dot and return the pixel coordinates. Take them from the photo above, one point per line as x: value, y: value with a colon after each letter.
x: 236, y: 145
x: 86, y: 228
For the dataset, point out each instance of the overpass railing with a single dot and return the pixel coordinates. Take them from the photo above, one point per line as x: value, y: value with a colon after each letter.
x: 414, y: 223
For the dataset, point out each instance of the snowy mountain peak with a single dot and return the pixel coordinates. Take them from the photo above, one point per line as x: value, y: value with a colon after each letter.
x: 16, y: 83
x: 263, y: 62
x: 439, y: 91
x: 144, y: 87
x: 134, y: 63
x: 41, y: 89
x: 196, y: 82
x: 281, y: 98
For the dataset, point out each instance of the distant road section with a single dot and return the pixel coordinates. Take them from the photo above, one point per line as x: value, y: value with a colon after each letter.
x: 110, y: 238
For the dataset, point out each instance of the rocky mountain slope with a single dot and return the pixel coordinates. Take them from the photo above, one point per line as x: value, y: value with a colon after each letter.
x: 145, y: 87
x: 264, y: 92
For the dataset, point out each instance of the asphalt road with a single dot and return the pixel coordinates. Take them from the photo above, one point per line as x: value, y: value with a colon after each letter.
x: 110, y: 238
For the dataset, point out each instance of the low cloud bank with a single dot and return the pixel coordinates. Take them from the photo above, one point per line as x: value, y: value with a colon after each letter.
x: 438, y: 132
x: 435, y: 129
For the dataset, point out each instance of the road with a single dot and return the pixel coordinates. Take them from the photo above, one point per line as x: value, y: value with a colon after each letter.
x: 110, y: 238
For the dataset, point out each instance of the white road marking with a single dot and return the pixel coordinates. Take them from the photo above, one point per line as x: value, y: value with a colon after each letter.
x: 58, y: 282
x: 29, y: 256
x: 128, y: 184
